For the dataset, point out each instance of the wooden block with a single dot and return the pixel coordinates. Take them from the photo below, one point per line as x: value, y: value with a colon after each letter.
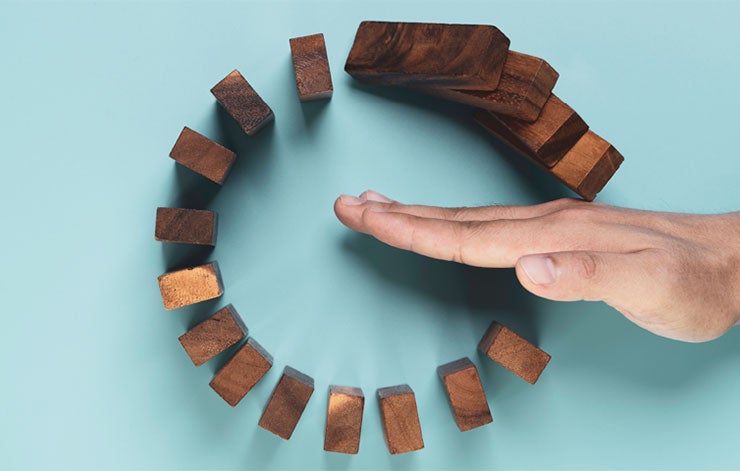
x: 186, y: 226
x: 469, y: 57
x: 513, y: 352
x: 214, y: 335
x: 202, y: 155
x: 239, y: 375
x: 287, y: 403
x: 465, y: 393
x: 242, y: 103
x: 311, y: 66
x: 526, y: 84
x: 344, y: 419
x: 400, y: 419
x: 190, y: 285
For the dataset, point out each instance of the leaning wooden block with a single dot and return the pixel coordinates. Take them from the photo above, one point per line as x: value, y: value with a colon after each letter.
x: 428, y: 55
x: 287, y: 403
x: 186, y: 226
x: 465, y: 393
x: 311, y: 66
x: 513, y: 352
x: 344, y: 419
x: 214, y: 335
x: 190, y: 285
x: 239, y: 375
x: 242, y: 103
x: 400, y: 419
x: 202, y: 155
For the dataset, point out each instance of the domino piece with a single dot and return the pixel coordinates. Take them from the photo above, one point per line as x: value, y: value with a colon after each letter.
x: 202, y: 155
x: 344, y: 419
x: 190, y: 285
x: 214, y: 335
x: 242, y: 103
x: 465, y: 393
x: 311, y: 66
x: 239, y: 375
x: 186, y: 226
x: 287, y: 403
x: 469, y: 57
x: 400, y: 419
x: 513, y: 352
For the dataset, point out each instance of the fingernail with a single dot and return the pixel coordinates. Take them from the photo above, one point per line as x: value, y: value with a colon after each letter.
x: 350, y: 200
x: 539, y: 269
x: 375, y: 196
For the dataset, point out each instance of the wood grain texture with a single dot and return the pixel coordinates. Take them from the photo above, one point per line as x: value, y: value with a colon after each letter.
x: 311, y: 67
x: 214, y: 335
x: 513, y: 352
x: 344, y: 419
x: 191, y: 285
x: 239, y: 375
x: 465, y: 394
x: 428, y: 55
x: 202, y: 155
x: 186, y: 226
x: 287, y: 403
x: 242, y: 103
x: 400, y: 419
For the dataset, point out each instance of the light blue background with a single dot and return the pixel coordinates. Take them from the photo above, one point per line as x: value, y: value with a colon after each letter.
x: 93, y: 95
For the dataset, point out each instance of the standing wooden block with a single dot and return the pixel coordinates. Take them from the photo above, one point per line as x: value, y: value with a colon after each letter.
x: 186, y: 226
x: 202, y: 155
x: 400, y: 419
x: 242, y: 103
x: 344, y: 419
x: 469, y: 57
x: 287, y: 403
x: 239, y: 375
x: 311, y: 66
x: 465, y: 393
x: 214, y: 335
x: 190, y: 285
x: 513, y: 352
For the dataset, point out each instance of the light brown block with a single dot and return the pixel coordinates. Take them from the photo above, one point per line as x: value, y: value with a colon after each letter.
x: 239, y: 375
x: 311, y: 66
x: 465, y: 393
x: 202, y: 155
x: 400, y: 419
x: 287, y: 403
x: 344, y: 419
x: 242, y: 103
x: 190, y: 285
x: 186, y: 226
x: 214, y: 335
x: 513, y: 352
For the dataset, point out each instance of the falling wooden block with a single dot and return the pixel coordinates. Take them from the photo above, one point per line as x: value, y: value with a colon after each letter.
x: 513, y: 352
x: 344, y: 419
x: 214, y: 335
x: 428, y: 55
x: 190, y: 285
x: 311, y: 66
x: 400, y: 419
x: 239, y: 375
x: 465, y: 393
x: 186, y: 226
x: 287, y: 403
x: 202, y: 155
x: 242, y: 103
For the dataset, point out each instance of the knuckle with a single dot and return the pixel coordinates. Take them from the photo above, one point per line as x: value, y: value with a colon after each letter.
x: 467, y: 234
x: 583, y: 212
x: 460, y: 214
x: 589, y: 265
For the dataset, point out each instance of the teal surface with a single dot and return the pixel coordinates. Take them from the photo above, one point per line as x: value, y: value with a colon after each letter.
x: 92, y: 97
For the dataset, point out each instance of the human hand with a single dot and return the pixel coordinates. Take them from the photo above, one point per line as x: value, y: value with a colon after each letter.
x: 676, y: 275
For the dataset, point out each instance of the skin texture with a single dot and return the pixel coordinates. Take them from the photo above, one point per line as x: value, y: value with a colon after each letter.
x: 676, y: 275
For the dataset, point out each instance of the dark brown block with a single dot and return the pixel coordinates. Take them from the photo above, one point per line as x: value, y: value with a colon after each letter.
x: 287, y: 403
x: 239, y: 375
x: 186, y: 226
x: 400, y: 418
x: 242, y: 103
x: 311, y: 66
x: 344, y: 419
x: 513, y: 352
x: 465, y: 393
x: 214, y: 335
x: 190, y: 285
x: 428, y: 55
x: 202, y: 155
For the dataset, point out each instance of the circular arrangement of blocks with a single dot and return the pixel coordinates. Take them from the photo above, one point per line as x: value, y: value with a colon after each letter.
x: 469, y: 64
